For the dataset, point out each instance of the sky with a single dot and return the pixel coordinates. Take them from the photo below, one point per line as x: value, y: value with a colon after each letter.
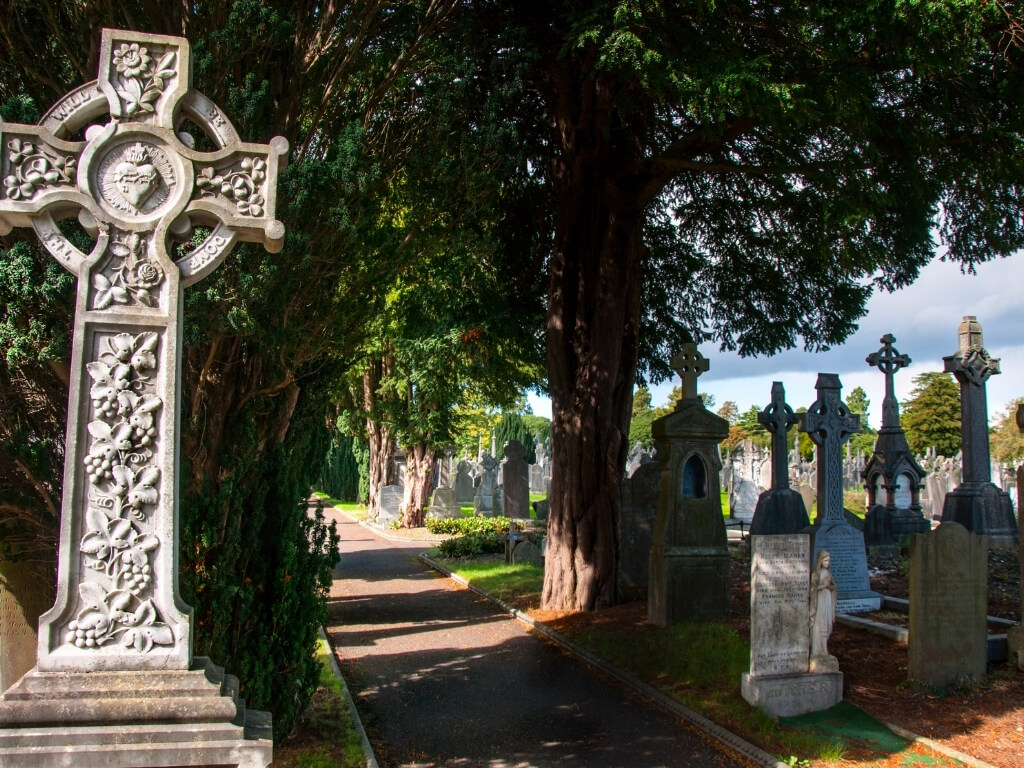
x: 923, y: 317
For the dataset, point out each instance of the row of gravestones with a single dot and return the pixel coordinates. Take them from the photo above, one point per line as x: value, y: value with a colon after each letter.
x: 491, y: 488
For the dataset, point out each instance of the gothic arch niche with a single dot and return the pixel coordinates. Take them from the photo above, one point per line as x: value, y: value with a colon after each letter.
x: 695, y: 478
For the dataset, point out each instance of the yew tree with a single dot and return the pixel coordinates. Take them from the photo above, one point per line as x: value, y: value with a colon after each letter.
x: 747, y: 172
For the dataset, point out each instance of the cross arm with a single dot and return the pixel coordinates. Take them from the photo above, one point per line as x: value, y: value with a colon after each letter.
x: 38, y: 172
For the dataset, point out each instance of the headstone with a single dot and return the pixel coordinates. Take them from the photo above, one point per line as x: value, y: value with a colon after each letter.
x: 689, y: 566
x: 540, y: 509
x: 391, y: 497
x: 21, y: 603
x: 829, y: 424
x: 636, y: 525
x: 515, y: 486
x: 780, y: 681
x: 526, y: 551
x: 750, y: 468
x: 1015, y: 636
x: 894, y: 478
x: 807, y: 496
x: 536, y: 478
x: 779, y: 509
x: 119, y: 623
x: 444, y: 505
x: 947, y: 638
x: 483, y: 497
x: 977, y: 503
x: 743, y: 499
x: 464, y: 490
x: 444, y: 469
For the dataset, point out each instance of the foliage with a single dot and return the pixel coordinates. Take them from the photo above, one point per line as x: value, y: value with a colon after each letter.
x: 464, y: 526
x: 513, y: 427
x: 753, y: 430
x: 472, y: 544
x: 864, y: 441
x: 1007, y: 441
x: 729, y: 411
x: 340, y: 476
x: 537, y: 426
x: 517, y: 584
x: 642, y: 418
x: 931, y: 416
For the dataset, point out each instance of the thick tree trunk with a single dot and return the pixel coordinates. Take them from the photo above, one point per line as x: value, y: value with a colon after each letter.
x: 419, y: 482
x: 379, y: 435
x: 592, y: 337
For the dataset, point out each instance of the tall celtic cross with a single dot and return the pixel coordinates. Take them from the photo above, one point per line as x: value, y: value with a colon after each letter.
x: 777, y: 418
x: 135, y: 185
x: 973, y: 367
x: 888, y: 360
x: 829, y: 423
x: 689, y: 364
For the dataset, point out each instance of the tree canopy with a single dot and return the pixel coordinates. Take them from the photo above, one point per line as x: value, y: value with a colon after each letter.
x: 931, y: 416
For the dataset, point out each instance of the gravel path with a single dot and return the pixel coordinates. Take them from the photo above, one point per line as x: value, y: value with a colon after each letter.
x: 442, y: 678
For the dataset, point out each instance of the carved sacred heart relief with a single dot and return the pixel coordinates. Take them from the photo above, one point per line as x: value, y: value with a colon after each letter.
x: 136, y: 178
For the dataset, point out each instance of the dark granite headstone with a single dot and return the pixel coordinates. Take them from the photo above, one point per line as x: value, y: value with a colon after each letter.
x: 779, y: 509
x: 636, y: 524
x: 515, y: 482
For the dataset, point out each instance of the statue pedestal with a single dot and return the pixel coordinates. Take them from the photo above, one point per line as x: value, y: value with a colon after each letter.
x: 125, y: 719
x: 792, y: 695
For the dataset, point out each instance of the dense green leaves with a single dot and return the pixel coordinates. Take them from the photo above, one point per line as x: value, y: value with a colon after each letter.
x: 931, y: 416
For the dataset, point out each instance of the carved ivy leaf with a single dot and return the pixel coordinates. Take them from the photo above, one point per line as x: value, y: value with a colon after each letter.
x: 143, y: 544
x: 145, y: 357
x: 145, y: 614
x: 101, y: 431
x: 118, y: 601
x: 144, y: 492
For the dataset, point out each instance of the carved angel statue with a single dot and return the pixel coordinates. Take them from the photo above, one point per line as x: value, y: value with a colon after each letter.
x: 823, y: 613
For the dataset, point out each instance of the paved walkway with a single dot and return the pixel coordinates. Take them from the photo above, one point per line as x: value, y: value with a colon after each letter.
x: 443, y: 678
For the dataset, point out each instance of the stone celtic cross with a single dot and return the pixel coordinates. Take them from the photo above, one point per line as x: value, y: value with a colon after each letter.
x: 136, y: 185
x: 888, y: 360
x: 973, y: 367
x: 829, y: 423
x: 689, y: 364
x: 777, y: 418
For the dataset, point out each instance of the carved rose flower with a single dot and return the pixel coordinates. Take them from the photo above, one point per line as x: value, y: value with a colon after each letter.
x: 131, y: 60
x: 147, y: 275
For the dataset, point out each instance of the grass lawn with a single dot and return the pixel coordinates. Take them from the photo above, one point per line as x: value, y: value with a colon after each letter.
x: 324, y: 736
x: 519, y: 585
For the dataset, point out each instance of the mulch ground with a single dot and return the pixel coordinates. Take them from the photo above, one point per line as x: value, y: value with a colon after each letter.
x: 985, y: 721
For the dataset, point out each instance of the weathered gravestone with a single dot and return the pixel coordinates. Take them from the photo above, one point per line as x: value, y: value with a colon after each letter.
x: 443, y: 505
x: 829, y: 424
x: 636, y: 524
x: 947, y: 637
x: 21, y: 603
x: 391, y: 497
x: 977, y: 503
x: 747, y: 461
x: 526, y: 551
x: 779, y: 509
x: 894, y: 478
x: 689, y: 565
x: 464, y: 489
x: 515, y: 482
x: 779, y: 681
x: 1015, y: 636
x: 483, y: 497
x: 115, y: 681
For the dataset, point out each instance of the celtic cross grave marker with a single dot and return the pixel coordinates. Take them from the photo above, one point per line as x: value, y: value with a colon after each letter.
x: 136, y: 185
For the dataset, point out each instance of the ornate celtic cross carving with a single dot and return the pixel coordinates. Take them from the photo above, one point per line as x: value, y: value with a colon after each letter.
x: 777, y: 418
x: 689, y: 364
x: 829, y: 423
x: 136, y: 185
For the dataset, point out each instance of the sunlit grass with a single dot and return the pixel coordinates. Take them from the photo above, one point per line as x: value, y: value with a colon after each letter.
x: 518, y: 584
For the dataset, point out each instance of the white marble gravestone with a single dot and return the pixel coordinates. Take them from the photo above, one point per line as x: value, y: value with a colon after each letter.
x: 779, y: 682
x: 114, y: 659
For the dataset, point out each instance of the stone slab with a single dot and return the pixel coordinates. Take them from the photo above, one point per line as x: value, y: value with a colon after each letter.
x: 779, y: 511
x: 526, y: 552
x: 390, y: 505
x: 792, y: 695
x: 779, y: 579
x: 21, y: 604
x: 443, y: 505
x: 948, y: 640
x: 849, y: 565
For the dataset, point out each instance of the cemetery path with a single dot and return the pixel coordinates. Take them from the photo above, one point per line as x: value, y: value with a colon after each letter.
x: 442, y: 678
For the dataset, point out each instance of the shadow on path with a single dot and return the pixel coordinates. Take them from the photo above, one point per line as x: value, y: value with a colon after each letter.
x: 442, y: 678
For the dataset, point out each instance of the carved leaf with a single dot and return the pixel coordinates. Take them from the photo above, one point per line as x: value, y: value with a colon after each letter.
x: 95, y: 543
x: 145, y: 357
x: 118, y: 600
x: 104, y: 296
x: 145, y: 614
x: 100, y: 430
x: 93, y: 596
x: 165, y: 64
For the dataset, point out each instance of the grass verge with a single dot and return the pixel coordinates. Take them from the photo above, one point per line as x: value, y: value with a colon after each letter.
x: 519, y: 585
x: 325, y: 736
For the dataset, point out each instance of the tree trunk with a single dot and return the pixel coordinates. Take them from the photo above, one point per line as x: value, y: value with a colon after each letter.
x: 419, y: 482
x: 379, y: 435
x: 592, y: 338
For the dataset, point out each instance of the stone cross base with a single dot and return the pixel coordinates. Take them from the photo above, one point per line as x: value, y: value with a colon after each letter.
x: 792, y: 695
x: 983, y: 509
x: 688, y: 584
x: 152, y: 718
x: 779, y: 511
